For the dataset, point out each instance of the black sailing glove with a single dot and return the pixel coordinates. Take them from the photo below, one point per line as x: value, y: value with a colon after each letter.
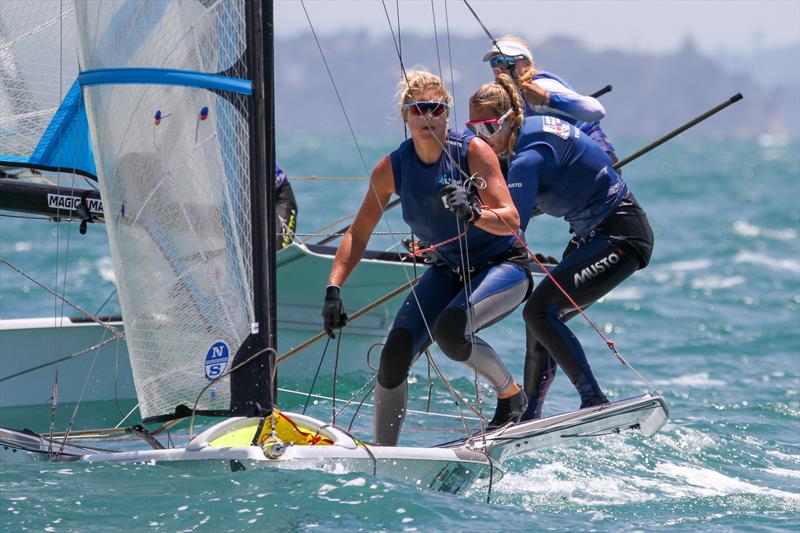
x: 333, y: 315
x: 465, y: 205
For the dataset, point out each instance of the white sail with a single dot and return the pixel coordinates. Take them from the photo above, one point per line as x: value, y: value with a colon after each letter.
x: 38, y: 65
x: 173, y: 164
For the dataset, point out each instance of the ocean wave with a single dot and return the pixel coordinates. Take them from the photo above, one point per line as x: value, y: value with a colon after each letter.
x: 700, y: 379
x: 745, y: 229
x: 717, y: 282
x: 105, y: 269
x: 693, y: 481
x: 791, y: 265
x: 783, y: 472
x: 692, y: 264
x: 624, y: 293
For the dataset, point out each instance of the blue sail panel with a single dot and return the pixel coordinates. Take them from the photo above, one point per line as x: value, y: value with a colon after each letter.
x: 65, y: 143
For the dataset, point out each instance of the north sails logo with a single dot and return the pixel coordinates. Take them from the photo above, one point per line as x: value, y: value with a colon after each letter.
x: 591, y: 271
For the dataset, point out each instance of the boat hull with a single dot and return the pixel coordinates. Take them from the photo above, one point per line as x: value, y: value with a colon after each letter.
x: 27, y: 344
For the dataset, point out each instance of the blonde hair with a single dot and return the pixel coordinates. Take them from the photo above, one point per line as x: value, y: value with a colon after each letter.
x: 416, y: 81
x: 517, y: 39
x: 499, y: 97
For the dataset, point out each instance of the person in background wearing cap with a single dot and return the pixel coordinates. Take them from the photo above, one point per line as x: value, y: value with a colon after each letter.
x: 546, y: 93
x: 285, y: 208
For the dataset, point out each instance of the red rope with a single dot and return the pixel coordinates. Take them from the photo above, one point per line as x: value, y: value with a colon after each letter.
x: 578, y: 308
x: 422, y: 251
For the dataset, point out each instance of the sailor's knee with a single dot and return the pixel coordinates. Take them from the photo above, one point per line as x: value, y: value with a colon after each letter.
x: 538, y: 317
x: 449, y: 333
x: 396, y: 358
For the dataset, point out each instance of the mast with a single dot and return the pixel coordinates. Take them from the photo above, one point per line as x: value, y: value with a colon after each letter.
x: 251, y: 385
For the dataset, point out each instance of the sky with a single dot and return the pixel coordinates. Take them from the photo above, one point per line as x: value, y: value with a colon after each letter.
x: 726, y: 26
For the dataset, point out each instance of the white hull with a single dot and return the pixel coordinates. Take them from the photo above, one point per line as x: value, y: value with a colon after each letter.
x: 30, y: 343
x: 442, y: 469
x: 449, y: 468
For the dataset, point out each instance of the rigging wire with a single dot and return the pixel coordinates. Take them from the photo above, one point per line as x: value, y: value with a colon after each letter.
x: 486, y: 31
x: 453, y: 165
x: 335, y: 88
x: 335, y: 372
x: 436, y: 39
x: 450, y: 60
x: 609, y: 343
x: 74, y: 306
x: 413, y: 411
x: 316, y: 374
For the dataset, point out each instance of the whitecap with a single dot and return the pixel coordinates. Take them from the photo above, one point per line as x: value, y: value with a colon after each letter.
x: 717, y: 282
x: 745, y: 229
x: 325, y: 489
x: 783, y: 472
x: 784, y: 456
x: 105, y: 269
x: 697, y: 481
x: 23, y: 246
x: 624, y: 293
x: 692, y: 264
x: 700, y: 379
x: 792, y: 265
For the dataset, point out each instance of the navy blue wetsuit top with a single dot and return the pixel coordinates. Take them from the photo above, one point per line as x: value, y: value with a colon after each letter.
x: 418, y: 185
x: 563, y: 103
x: 559, y: 170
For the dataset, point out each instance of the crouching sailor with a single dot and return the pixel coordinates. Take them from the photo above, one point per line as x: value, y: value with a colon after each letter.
x: 480, y: 273
x: 559, y: 170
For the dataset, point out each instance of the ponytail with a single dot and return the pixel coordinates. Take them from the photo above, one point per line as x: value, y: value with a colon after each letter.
x: 499, y: 97
x: 517, y: 107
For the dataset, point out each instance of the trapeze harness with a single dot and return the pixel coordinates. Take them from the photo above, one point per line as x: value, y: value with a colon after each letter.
x: 494, y: 267
x: 285, y: 208
x: 560, y: 171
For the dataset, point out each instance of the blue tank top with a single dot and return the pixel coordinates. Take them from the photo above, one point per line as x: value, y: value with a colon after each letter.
x: 592, y: 129
x: 559, y: 170
x: 418, y: 185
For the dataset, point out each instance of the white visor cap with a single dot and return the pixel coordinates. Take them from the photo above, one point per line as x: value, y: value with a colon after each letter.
x: 508, y: 48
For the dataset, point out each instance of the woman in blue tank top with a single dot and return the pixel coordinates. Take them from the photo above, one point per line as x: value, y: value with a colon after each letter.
x: 557, y: 169
x: 478, y: 277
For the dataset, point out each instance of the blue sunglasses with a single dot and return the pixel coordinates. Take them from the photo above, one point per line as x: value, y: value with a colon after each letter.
x: 503, y: 61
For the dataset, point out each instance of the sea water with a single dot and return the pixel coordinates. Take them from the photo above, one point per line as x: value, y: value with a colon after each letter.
x: 713, y: 322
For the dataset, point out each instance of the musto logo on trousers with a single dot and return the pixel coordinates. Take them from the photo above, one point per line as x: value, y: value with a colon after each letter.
x: 590, y: 272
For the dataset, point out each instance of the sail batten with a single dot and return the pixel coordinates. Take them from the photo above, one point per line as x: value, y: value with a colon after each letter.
x: 167, y: 95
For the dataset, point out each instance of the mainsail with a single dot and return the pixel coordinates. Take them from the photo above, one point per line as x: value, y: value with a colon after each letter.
x: 42, y: 119
x: 167, y: 92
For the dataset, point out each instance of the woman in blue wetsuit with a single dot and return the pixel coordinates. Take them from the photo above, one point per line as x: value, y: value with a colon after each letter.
x: 476, y: 280
x: 546, y: 93
x: 557, y: 169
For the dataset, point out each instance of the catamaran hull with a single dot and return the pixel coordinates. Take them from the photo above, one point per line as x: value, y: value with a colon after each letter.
x: 646, y: 414
x: 451, y: 467
x: 441, y: 469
